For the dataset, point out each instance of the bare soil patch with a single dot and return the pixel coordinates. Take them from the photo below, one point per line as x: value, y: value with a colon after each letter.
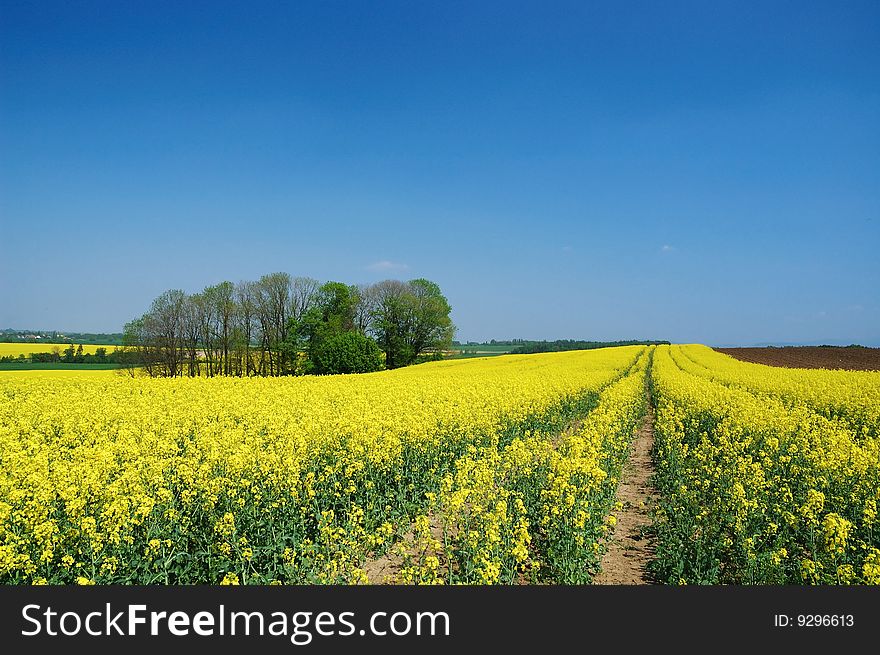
x: 385, y: 568
x: 829, y: 357
x: 630, y: 549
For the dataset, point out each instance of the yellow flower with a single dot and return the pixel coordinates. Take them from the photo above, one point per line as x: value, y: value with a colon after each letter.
x: 230, y: 579
x: 871, y: 567
x: 836, y: 530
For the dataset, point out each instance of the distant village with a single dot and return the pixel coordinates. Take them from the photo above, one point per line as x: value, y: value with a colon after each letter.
x: 53, y: 336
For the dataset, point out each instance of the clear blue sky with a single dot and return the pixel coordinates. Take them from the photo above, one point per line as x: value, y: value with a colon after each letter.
x: 692, y: 171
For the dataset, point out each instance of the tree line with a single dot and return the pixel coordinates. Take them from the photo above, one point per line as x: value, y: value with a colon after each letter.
x: 72, y: 354
x: 283, y: 325
x: 55, y: 337
x: 561, y: 345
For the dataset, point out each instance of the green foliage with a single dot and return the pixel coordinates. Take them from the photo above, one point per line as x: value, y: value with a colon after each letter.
x: 72, y: 355
x: 331, y: 315
x: 53, y: 336
x: 411, y: 320
x: 347, y: 352
x: 336, y: 304
x: 277, y: 326
x: 561, y: 345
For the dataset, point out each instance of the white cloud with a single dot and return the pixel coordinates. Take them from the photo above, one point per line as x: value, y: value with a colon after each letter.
x: 666, y: 248
x: 385, y: 265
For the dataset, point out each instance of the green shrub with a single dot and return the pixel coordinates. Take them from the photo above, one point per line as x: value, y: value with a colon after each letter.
x: 347, y: 352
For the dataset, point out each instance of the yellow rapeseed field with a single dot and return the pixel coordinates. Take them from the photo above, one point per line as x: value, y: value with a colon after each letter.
x: 766, y: 475
x: 482, y: 471
x: 111, y: 479
x: 16, y: 349
x: 69, y: 373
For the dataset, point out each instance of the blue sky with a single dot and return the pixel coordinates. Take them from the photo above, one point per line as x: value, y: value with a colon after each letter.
x: 692, y: 171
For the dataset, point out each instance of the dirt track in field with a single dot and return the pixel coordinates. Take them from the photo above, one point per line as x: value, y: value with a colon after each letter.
x: 629, y: 549
x: 385, y: 568
x: 851, y: 359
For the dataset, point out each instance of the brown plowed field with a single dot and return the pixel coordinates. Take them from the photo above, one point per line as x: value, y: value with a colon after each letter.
x: 851, y: 359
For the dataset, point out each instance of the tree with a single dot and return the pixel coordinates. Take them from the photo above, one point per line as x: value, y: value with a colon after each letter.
x: 431, y: 327
x: 246, y: 324
x: 332, y: 312
x: 411, y: 320
x: 390, y: 322
x: 164, y: 330
x: 192, y: 334
x: 225, y: 312
x: 337, y: 304
x: 155, y: 340
x: 218, y: 309
x: 347, y: 352
x: 273, y: 300
x: 303, y: 295
x: 364, y: 307
x: 136, y: 351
